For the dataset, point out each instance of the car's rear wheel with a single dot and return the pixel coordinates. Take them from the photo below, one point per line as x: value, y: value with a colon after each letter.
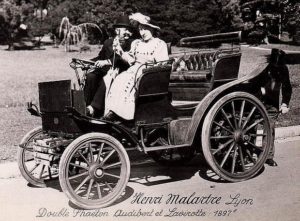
x: 33, y: 171
x: 236, y: 136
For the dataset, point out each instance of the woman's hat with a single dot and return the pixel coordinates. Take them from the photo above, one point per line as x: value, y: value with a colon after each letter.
x: 122, y: 21
x: 143, y: 19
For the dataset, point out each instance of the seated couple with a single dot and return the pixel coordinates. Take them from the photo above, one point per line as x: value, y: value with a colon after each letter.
x: 114, y: 96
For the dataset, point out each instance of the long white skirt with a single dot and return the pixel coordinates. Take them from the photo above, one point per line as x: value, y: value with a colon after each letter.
x: 121, y: 92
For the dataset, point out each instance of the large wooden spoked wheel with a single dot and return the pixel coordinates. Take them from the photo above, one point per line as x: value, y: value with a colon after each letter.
x: 94, y: 170
x: 34, y: 172
x: 236, y: 136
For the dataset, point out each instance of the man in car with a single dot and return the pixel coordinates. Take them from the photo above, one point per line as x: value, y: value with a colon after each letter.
x: 95, y: 87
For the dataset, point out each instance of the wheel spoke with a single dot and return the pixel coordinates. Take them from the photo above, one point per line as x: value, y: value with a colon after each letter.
x: 227, y: 119
x: 112, y: 175
x: 109, y: 186
x: 227, y: 154
x: 253, y: 125
x: 28, y: 160
x: 89, y: 188
x: 108, y: 156
x: 249, y: 154
x: 99, y: 153
x: 112, y: 165
x: 80, y: 166
x: 223, y: 127
x: 91, y: 153
x: 220, y: 137
x: 41, y: 172
x: 256, y: 147
x: 241, y: 158
x: 78, y: 175
x: 248, y: 118
x: 258, y: 135
x: 83, y: 157
x: 82, y: 183
x: 223, y: 146
x: 49, y: 173
x: 36, y: 165
x: 234, y: 159
x: 98, y: 190
x: 233, y: 114
x: 241, y: 113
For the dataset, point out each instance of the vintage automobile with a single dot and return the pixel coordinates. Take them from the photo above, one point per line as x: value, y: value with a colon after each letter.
x: 200, y: 107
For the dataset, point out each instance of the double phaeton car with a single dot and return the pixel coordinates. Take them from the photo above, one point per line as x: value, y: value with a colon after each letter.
x: 193, y: 104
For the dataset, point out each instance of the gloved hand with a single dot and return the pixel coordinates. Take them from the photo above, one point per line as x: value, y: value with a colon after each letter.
x: 101, y: 63
x: 117, y: 46
x: 284, y: 108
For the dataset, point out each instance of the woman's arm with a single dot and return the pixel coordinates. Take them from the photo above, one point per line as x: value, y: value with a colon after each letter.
x: 161, y: 52
x: 129, y: 56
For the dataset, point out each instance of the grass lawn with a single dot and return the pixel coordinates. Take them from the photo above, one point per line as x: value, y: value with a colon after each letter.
x: 22, y: 70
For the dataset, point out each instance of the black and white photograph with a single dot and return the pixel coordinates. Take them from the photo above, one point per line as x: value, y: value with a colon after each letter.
x: 150, y: 110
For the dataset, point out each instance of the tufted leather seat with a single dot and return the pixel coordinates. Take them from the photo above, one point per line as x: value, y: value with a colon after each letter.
x: 190, y: 76
x: 195, y: 67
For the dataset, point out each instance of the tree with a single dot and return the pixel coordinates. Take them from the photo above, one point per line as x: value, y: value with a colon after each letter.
x: 291, y: 18
x: 278, y: 14
x: 12, y: 15
x: 181, y: 18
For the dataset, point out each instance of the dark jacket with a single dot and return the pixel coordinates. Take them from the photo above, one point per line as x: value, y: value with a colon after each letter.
x: 274, y: 78
x: 107, y: 52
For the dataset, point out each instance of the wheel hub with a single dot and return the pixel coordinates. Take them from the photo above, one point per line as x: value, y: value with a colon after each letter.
x: 246, y: 138
x: 99, y: 172
x: 96, y: 171
x: 238, y: 136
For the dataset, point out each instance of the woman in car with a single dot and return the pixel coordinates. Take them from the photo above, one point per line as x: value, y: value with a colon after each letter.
x: 120, y: 100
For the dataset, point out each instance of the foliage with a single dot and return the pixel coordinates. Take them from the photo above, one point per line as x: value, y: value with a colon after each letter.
x: 12, y: 15
x: 177, y: 18
x: 288, y: 11
x: 291, y: 18
x: 181, y: 18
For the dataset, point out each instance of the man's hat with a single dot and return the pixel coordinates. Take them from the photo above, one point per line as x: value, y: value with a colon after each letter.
x: 122, y: 21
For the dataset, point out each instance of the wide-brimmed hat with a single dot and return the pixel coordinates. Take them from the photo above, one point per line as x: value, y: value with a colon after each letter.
x: 143, y: 19
x: 122, y: 21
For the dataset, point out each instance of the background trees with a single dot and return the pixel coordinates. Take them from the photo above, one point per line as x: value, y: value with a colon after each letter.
x: 177, y: 18
x: 12, y: 15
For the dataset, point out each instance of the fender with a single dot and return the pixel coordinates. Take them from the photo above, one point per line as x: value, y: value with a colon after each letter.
x: 87, y: 124
x: 203, y: 106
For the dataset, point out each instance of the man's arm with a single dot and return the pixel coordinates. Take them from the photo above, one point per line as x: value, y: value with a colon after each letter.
x: 105, y: 52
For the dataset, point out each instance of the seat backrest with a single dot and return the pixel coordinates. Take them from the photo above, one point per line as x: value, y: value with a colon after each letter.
x: 152, y: 97
x: 226, y: 68
x: 154, y: 81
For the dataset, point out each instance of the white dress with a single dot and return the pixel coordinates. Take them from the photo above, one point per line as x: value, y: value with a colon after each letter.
x: 121, y: 95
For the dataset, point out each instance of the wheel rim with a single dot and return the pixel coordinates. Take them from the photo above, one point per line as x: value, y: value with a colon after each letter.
x: 96, y: 173
x: 35, y: 173
x: 239, y: 138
